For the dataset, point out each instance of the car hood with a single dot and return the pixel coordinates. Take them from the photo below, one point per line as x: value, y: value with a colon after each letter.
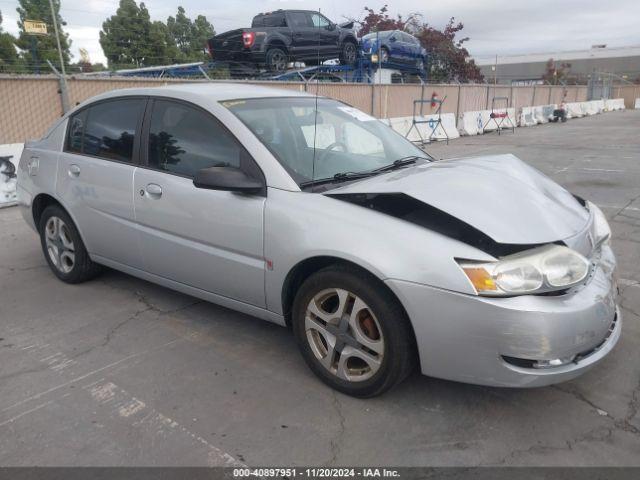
x: 499, y: 195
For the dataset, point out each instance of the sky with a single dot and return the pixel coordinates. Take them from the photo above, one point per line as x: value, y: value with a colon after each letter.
x: 495, y: 27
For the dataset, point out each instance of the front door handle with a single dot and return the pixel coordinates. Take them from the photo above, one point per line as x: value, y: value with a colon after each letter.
x: 154, y: 190
x: 74, y: 170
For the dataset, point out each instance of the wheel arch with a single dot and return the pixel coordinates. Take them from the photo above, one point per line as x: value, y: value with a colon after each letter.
x: 43, y: 200
x: 40, y: 203
x: 277, y: 43
x: 307, y: 267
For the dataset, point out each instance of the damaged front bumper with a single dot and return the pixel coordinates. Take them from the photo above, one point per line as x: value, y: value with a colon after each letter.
x: 524, y: 341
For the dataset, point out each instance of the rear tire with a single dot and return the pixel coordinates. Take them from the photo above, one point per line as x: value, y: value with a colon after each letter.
x: 352, y: 332
x: 63, y: 248
x: 277, y: 59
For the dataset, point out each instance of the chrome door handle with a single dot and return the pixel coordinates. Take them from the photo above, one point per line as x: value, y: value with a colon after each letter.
x: 154, y: 190
x: 74, y: 170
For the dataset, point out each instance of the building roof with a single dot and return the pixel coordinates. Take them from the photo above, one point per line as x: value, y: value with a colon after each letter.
x: 614, y: 52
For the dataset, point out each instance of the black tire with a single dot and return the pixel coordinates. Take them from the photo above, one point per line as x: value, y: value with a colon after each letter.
x: 399, y: 355
x: 348, y: 53
x: 277, y: 59
x: 83, y: 267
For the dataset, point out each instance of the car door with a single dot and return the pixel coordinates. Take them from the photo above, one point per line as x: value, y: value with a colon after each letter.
x: 304, y: 36
x: 208, y: 239
x: 95, y: 176
x: 328, y: 35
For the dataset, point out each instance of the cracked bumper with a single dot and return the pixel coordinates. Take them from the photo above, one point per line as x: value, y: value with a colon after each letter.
x: 464, y: 337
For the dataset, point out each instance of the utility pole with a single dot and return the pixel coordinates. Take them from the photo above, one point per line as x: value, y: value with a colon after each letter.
x: 63, y: 82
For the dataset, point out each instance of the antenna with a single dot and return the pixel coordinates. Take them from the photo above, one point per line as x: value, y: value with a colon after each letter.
x: 315, y: 119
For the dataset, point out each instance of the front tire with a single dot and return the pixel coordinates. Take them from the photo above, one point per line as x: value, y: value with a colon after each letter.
x: 349, y: 53
x: 352, y: 332
x: 63, y: 248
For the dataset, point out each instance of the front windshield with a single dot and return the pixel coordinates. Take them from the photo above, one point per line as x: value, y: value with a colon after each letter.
x: 346, y: 140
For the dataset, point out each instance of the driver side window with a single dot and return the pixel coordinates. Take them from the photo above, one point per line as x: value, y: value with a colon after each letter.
x: 319, y: 21
x: 185, y: 139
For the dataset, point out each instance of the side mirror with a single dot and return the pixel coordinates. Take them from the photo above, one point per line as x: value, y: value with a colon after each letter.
x: 230, y: 179
x: 331, y: 27
x: 393, y: 39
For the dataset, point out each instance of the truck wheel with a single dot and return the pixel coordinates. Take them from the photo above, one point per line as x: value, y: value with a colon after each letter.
x: 277, y: 59
x: 349, y: 53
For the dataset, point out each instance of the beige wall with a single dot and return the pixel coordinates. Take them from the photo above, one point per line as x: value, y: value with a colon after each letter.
x: 29, y: 105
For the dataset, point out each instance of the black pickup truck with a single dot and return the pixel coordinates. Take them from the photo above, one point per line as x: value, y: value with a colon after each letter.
x: 277, y: 38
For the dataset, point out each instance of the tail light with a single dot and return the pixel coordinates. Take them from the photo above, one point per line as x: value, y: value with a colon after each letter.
x: 248, y: 39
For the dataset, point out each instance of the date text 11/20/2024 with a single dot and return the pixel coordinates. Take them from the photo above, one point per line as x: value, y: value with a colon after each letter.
x: 316, y: 472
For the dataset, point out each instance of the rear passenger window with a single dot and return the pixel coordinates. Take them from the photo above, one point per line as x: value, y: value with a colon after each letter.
x: 76, y: 130
x: 299, y: 19
x: 184, y: 140
x: 110, y: 129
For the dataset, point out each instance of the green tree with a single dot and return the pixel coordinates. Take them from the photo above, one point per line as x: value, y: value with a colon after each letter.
x: 129, y: 39
x: 38, y: 49
x: 202, y: 31
x: 9, y: 61
x: 190, y: 36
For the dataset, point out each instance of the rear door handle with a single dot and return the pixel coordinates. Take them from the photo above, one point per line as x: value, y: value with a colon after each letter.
x: 154, y: 190
x: 74, y: 170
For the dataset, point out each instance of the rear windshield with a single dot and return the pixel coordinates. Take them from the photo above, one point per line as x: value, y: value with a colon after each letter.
x: 270, y: 20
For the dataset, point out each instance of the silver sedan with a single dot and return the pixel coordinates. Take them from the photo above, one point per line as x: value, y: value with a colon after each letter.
x: 306, y: 212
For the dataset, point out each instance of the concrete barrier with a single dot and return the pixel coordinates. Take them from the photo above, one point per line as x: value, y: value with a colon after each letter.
x: 542, y: 113
x: 470, y: 123
x: 526, y: 118
x: 613, y: 104
x: 7, y: 175
x: 575, y: 110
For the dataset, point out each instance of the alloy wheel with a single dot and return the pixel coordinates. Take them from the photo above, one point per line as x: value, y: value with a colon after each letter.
x: 349, y: 53
x: 278, y: 61
x: 344, y: 335
x: 59, y: 244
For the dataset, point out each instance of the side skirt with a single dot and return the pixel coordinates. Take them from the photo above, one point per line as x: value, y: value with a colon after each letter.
x: 230, y: 303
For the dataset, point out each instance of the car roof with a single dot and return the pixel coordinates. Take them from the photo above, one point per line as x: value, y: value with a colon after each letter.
x: 213, y: 91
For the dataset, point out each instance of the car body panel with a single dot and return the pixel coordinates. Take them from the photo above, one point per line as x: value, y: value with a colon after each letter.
x: 474, y: 191
x: 239, y: 250
x: 463, y: 338
x: 100, y: 199
x: 217, y: 236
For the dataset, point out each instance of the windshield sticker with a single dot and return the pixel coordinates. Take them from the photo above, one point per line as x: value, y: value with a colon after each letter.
x: 357, y: 114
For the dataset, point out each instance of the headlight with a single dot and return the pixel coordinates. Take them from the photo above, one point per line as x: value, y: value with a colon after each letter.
x: 543, y: 269
x: 601, y: 227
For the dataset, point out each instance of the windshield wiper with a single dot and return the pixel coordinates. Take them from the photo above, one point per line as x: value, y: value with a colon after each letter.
x: 401, y: 162
x: 347, y: 176
x: 338, y: 177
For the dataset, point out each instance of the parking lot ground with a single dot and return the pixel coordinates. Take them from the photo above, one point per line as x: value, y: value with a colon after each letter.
x: 119, y: 371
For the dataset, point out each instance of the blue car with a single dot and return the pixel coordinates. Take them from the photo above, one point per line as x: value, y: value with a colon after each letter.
x: 394, y: 46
